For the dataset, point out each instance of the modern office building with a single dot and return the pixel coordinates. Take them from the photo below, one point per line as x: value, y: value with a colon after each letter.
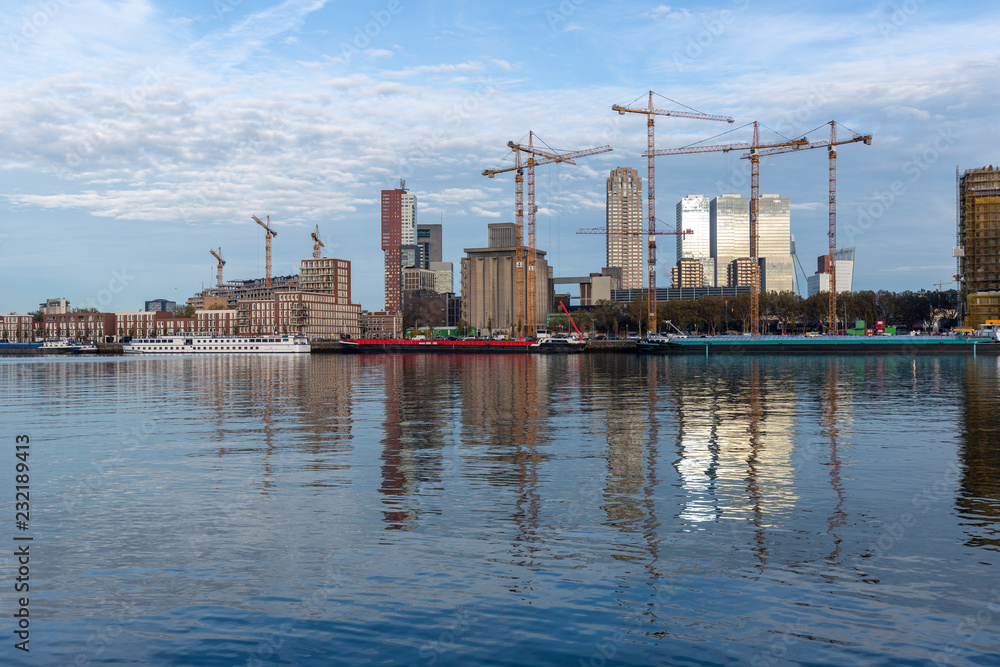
x: 489, y: 285
x: 624, y: 225
x: 775, y: 243
x: 729, y: 224
x: 693, y: 213
x: 844, y: 264
x: 429, y: 240
x: 729, y: 232
x: 978, y: 245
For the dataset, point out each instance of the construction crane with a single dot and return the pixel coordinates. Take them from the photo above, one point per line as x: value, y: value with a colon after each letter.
x: 222, y: 263
x: 317, y: 244
x: 755, y: 148
x: 267, y: 247
x: 650, y: 111
x: 524, y: 256
x: 831, y: 147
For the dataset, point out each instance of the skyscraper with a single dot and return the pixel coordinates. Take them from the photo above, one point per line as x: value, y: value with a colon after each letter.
x: 624, y: 225
x: 399, y: 227
x: 693, y: 214
x: 729, y: 224
x: 775, y: 243
x: 729, y: 232
x: 429, y: 240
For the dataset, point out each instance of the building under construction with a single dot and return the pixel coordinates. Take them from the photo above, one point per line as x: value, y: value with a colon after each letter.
x: 978, y: 244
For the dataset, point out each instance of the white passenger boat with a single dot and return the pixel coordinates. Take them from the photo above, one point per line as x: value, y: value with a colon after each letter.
x: 68, y: 345
x: 209, y: 344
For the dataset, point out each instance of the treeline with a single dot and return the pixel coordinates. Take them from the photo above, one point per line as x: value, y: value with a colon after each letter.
x: 780, y: 312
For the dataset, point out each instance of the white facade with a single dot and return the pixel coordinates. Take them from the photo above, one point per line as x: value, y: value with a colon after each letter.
x: 729, y: 232
x: 624, y: 225
x: 844, y: 264
x: 408, y: 235
x: 693, y: 213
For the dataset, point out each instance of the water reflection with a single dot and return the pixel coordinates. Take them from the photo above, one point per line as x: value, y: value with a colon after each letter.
x: 979, y: 454
x: 417, y: 400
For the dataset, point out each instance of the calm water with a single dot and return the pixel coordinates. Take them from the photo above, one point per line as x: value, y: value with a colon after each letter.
x: 504, y: 510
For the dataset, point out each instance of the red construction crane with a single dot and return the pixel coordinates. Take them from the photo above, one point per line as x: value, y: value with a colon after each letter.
x: 831, y: 147
x: 651, y: 111
x: 222, y: 263
x: 754, y: 147
x: 524, y: 256
x: 317, y: 244
x: 267, y: 251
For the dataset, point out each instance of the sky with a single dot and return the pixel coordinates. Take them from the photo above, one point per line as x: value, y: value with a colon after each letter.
x: 136, y: 135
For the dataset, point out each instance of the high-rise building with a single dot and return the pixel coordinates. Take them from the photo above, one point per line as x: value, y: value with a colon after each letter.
x: 693, y: 214
x: 729, y: 232
x: 429, y: 240
x: 774, y: 243
x: 729, y: 225
x: 978, y: 245
x: 399, y: 220
x: 844, y: 263
x: 624, y: 225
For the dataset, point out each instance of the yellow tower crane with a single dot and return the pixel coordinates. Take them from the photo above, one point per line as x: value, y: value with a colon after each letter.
x: 317, y: 244
x: 754, y: 155
x: 831, y: 147
x: 267, y: 248
x: 222, y: 263
x: 526, y: 300
x: 650, y: 111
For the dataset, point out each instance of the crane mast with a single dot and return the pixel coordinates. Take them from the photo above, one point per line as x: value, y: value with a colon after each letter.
x: 831, y: 146
x: 650, y: 154
x: 756, y: 150
x: 267, y: 247
x: 526, y: 298
x: 222, y: 262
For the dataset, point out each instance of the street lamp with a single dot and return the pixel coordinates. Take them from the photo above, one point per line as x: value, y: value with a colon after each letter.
x: 727, y: 315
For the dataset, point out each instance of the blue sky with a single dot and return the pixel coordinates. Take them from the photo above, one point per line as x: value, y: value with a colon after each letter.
x: 135, y: 135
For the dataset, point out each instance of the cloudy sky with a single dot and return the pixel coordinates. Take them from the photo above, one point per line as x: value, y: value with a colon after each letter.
x: 135, y: 135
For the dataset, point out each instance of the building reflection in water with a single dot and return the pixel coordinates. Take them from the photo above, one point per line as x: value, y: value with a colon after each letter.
x: 504, y: 409
x: 626, y: 417
x: 417, y: 392
x: 258, y: 404
x: 978, y: 499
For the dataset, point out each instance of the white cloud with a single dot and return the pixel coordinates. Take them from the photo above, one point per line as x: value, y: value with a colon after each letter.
x: 664, y: 12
